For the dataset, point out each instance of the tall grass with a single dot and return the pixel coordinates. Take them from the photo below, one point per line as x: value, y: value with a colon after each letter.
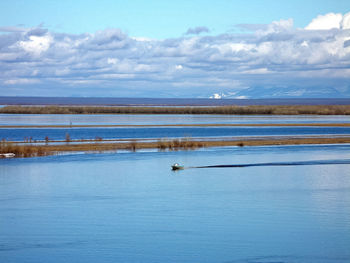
x: 162, y: 145
x: 240, y: 110
x: 23, y: 150
x: 30, y: 150
x: 179, y: 144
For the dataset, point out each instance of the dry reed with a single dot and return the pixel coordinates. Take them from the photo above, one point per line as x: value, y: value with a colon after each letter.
x: 162, y: 145
x: 239, y: 110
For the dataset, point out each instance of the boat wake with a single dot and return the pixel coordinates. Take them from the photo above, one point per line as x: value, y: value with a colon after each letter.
x: 314, y: 162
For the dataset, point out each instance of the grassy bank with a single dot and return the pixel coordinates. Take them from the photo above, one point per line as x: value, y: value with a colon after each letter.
x: 24, y: 150
x: 240, y: 110
x: 32, y: 150
x: 177, y: 144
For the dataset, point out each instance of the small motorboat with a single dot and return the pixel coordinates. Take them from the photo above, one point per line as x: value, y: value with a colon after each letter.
x: 177, y: 166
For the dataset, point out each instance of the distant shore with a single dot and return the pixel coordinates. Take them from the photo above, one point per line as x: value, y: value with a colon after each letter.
x: 33, y: 150
x: 224, y: 110
x: 124, y: 101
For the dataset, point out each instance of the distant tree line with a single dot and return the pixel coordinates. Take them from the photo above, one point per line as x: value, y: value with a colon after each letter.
x: 239, y: 110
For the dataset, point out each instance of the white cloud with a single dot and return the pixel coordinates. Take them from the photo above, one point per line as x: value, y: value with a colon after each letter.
x: 183, y: 66
x: 112, y: 61
x: 229, y: 48
x: 36, y: 44
x: 257, y: 71
x: 21, y: 81
x: 282, y: 25
x: 304, y: 44
x: 276, y: 27
x: 345, y: 23
x: 325, y: 22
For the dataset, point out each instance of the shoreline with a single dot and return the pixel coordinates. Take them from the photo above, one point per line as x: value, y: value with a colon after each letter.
x: 161, y: 144
x: 223, y: 110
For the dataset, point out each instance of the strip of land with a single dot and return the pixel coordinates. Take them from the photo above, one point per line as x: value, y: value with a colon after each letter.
x: 179, y: 125
x: 229, y: 110
x: 161, y: 144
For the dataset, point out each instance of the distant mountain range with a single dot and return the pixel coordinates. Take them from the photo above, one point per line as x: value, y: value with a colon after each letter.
x: 285, y: 92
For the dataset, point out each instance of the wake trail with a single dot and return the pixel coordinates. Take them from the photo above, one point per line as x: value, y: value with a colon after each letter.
x: 314, y: 162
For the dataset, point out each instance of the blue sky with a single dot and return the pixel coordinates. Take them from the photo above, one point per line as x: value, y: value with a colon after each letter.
x: 236, y: 49
x: 160, y: 19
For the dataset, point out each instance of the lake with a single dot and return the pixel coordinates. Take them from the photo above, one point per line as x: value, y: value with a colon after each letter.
x: 163, y: 132
x: 130, y: 207
x: 149, y: 119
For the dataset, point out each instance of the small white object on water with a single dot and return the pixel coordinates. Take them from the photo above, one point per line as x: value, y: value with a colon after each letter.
x: 7, y: 155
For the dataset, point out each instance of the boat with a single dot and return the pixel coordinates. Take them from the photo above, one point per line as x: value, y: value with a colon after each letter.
x: 177, y: 166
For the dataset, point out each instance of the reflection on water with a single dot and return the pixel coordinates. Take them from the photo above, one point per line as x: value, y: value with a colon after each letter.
x: 130, y: 207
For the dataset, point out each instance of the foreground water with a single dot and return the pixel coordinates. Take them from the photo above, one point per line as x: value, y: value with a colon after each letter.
x: 129, y: 207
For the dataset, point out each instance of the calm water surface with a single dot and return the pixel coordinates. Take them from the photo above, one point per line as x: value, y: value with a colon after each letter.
x: 129, y: 207
x: 162, y: 132
x: 165, y: 132
x: 142, y: 119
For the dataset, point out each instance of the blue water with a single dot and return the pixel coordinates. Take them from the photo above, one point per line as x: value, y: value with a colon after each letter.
x: 130, y: 207
x: 164, y: 132
x: 141, y: 119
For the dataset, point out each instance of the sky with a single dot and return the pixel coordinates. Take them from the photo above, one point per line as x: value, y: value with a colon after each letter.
x: 193, y: 49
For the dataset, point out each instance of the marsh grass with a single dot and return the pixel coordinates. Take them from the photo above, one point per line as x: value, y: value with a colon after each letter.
x: 30, y: 150
x: 179, y: 144
x: 239, y: 110
x: 23, y: 150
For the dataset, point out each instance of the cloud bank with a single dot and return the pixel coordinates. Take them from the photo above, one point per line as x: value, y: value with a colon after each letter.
x: 274, y: 60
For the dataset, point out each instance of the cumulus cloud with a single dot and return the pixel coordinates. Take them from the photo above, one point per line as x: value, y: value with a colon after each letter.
x: 325, y: 22
x: 197, y: 30
x: 330, y: 21
x: 36, y: 44
x: 345, y: 23
x: 271, y: 60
